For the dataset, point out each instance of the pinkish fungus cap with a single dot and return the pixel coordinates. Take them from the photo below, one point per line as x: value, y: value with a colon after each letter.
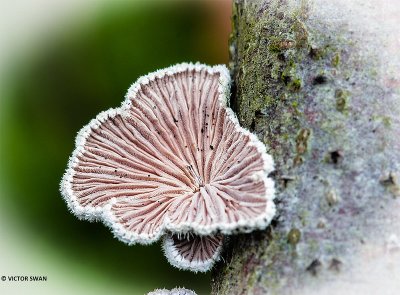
x: 173, y: 158
x: 175, y: 291
x: 192, y: 252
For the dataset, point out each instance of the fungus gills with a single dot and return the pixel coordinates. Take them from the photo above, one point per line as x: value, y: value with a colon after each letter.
x: 195, y: 253
x: 172, y: 159
x: 176, y: 291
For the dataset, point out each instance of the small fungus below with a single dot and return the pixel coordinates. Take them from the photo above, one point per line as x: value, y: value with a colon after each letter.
x: 195, y: 253
x: 145, y: 184
x: 175, y: 291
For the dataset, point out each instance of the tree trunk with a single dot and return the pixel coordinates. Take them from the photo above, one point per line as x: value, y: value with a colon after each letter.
x: 319, y: 83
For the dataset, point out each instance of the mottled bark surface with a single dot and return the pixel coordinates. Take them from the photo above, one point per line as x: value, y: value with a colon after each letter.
x: 319, y: 83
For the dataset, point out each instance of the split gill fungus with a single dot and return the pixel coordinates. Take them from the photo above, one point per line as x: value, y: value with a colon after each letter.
x: 172, y: 162
x: 175, y: 291
x: 193, y: 252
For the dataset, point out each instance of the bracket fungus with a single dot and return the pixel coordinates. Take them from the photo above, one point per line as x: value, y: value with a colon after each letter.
x: 172, y: 159
x: 175, y: 291
x: 192, y: 252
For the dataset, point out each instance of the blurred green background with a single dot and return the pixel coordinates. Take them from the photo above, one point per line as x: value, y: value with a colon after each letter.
x: 49, y: 90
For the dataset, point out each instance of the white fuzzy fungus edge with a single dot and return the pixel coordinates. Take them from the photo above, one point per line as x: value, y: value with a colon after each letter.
x: 103, y: 213
x: 177, y: 260
x: 175, y: 291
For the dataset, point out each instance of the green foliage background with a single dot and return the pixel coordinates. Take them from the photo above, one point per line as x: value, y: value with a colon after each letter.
x: 50, y: 96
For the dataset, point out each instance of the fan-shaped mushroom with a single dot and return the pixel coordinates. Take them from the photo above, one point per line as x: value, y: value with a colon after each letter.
x: 192, y: 252
x: 175, y: 291
x: 173, y: 158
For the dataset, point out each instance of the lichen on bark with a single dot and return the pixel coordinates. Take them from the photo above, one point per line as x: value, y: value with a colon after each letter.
x: 309, y: 87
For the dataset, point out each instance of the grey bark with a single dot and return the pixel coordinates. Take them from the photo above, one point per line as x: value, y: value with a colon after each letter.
x: 319, y: 83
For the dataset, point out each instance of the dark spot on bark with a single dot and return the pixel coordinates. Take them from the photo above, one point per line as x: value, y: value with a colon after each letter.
x: 316, y: 53
x: 335, y: 265
x: 391, y: 183
x: 320, y: 79
x: 280, y: 15
x: 336, y: 156
x: 286, y: 180
x: 281, y: 57
x: 389, y: 179
x: 314, y: 267
x: 298, y: 160
x: 253, y: 125
x: 258, y: 114
x: 286, y: 79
